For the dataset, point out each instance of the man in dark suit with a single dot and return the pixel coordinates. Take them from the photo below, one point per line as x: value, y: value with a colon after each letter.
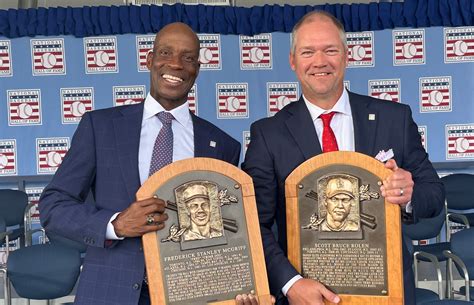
x: 111, y: 156
x: 319, y: 56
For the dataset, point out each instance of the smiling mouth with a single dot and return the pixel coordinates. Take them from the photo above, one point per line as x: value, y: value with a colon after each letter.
x: 321, y: 74
x: 172, y: 79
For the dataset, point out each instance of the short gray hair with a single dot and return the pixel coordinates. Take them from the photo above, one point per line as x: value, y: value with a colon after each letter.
x: 311, y: 16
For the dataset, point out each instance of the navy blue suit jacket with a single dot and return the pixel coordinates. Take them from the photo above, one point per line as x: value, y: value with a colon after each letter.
x: 103, y: 158
x: 281, y: 143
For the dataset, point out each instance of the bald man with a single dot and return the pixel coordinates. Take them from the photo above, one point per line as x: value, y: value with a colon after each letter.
x: 110, y: 156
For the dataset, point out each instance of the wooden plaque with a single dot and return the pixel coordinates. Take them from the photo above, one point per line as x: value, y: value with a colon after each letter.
x: 210, y: 249
x: 342, y: 232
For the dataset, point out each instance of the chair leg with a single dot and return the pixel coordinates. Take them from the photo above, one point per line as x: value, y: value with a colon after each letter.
x: 6, y: 288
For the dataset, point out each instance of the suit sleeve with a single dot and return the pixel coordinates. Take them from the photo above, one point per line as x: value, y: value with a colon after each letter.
x: 259, y: 165
x: 63, y: 208
x: 428, y: 191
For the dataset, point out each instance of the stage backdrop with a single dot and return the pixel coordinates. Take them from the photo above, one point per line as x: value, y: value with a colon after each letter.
x: 48, y: 82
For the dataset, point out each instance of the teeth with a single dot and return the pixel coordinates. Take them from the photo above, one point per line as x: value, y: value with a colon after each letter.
x: 321, y: 74
x: 172, y: 78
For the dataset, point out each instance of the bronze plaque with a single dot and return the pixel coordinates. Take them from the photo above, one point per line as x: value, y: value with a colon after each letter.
x: 205, y: 252
x: 337, y: 228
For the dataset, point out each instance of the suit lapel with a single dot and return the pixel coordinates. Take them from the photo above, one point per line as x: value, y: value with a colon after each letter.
x: 365, y: 124
x: 127, y: 137
x: 203, y: 139
x: 302, y: 129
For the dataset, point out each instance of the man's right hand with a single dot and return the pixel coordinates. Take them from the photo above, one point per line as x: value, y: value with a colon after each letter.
x: 310, y: 292
x: 132, y: 222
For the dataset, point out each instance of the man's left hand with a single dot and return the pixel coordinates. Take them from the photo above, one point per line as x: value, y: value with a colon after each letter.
x: 398, y: 187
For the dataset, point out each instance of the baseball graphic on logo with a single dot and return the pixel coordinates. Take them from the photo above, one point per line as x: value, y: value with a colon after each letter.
x: 48, y: 60
x: 282, y: 101
x: 129, y: 102
x: 3, y: 161
x: 101, y: 58
x: 205, y: 55
x: 409, y: 50
x: 460, y: 48
x: 385, y: 96
x: 461, y: 144
x: 358, y: 52
x: 78, y: 108
x: 53, y: 158
x: 232, y: 103
x: 1, y: 62
x: 436, y: 97
x: 24, y: 110
x: 256, y: 54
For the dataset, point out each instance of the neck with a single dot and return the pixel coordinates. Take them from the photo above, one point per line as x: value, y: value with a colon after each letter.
x: 201, y: 230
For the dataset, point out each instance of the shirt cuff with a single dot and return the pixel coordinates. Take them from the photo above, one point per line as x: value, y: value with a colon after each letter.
x: 290, y: 283
x: 409, y: 207
x: 110, y: 233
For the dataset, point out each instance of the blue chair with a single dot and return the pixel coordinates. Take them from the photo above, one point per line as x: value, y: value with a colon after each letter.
x: 427, y: 228
x: 13, y: 204
x: 449, y: 302
x: 3, y: 267
x: 462, y: 254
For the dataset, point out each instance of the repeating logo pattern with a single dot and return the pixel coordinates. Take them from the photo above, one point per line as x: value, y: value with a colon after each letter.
x: 385, y: 89
x: 245, y: 140
x: 8, y: 164
x: 408, y: 47
x: 75, y: 102
x: 435, y: 94
x: 101, y: 54
x: 210, y: 51
x: 34, y: 194
x: 279, y: 95
x: 361, y: 49
x: 256, y: 52
x: 129, y: 95
x: 50, y: 153
x: 144, y: 46
x: 459, y: 44
x: 48, y: 56
x: 422, y: 130
x: 193, y: 99
x: 460, y: 141
x: 232, y: 100
x: 24, y: 107
x: 5, y: 59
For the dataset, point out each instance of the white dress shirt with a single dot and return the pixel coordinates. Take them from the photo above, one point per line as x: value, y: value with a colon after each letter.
x: 183, y: 141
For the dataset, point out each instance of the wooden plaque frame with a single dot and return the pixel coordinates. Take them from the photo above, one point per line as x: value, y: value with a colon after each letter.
x: 151, y: 246
x: 392, y: 222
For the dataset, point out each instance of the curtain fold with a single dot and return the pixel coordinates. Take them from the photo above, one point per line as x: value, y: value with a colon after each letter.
x: 102, y: 20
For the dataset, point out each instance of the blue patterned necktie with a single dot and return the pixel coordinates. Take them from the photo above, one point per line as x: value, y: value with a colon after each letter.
x: 163, y: 148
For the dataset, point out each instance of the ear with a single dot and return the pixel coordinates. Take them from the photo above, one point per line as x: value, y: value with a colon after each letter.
x: 291, y: 58
x: 149, y: 59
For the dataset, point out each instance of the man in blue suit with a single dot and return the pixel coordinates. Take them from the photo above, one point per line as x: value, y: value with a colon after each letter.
x: 319, y: 56
x: 110, y: 156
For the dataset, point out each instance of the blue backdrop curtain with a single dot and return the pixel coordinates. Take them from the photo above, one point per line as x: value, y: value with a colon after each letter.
x: 101, y: 20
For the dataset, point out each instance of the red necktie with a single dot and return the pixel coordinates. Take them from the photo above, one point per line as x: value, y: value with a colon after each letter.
x: 329, y: 139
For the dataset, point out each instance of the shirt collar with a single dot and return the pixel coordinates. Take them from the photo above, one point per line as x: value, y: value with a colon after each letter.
x: 180, y: 113
x: 342, y: 106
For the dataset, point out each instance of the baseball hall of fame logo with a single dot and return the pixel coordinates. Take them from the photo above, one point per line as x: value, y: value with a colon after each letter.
x: 24, y: 107
x: 8, y: 165
x: 75, y: 102
x: 144, y: 46
x: 279, y: 95
x: 129, y: 95
x: 385, y: 89
x: 256, y: 52
x: 422, y: 131
x: 50, y: 153
x: 361, y: 49
x: 408, y: 47
x: 210, y: 51
x: 193, y: 99
x: 245, y: 140
x: 5, y: 59
x: 34, y: 194
x: 232, y: 100
x: 101, y: 55
x: 460, y: 141
x: 48, y: 56
x: 435, y: 94
x: 458, y: 44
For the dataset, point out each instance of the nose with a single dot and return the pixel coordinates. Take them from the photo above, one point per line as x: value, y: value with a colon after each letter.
x: 175, y: 62
x: 319, y: 59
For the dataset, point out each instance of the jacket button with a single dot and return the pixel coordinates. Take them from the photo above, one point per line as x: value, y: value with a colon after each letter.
x: 136, y: 286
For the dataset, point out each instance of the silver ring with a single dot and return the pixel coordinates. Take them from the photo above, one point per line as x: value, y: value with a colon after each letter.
x: 401, y: 191
x: 150, y: 220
